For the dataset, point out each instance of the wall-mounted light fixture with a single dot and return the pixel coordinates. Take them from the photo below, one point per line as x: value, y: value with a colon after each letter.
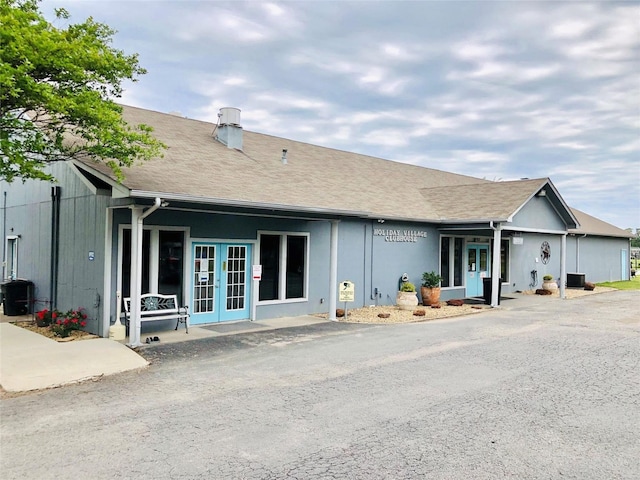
x: 380, y: 220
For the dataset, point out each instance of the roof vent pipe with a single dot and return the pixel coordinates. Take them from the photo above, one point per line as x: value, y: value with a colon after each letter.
x: 284, y: 156
x: 230, y: 131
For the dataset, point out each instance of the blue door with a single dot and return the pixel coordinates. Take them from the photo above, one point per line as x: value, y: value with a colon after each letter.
x: 477, y: 269
x: 624, y: 263
x: 221, y: 282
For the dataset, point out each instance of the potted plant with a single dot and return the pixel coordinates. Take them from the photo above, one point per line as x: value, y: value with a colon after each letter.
x: 407, y: 298
x: 430, y: 290
x: 549, y: 284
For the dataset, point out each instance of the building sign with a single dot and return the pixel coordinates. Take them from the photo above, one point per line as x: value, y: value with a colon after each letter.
x: 347, y: 292
x: 391, y: 235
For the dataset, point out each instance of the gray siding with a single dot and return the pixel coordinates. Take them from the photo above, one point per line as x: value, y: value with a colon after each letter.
x: 599, y: 258
x: 538, y: 213
x: 82, y: 220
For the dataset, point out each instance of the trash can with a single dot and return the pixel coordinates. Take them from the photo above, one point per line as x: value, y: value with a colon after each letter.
x: 18, y: 296
x: 487, y: 290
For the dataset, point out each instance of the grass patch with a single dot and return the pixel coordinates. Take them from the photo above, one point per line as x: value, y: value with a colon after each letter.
x: 633, y: 284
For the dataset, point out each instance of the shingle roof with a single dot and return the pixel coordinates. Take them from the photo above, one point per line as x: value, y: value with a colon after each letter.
x: 492, y: 200
x: 197, y: 166
x: 593, y: 226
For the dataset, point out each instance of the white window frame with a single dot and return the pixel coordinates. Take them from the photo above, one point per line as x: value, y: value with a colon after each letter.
x: 154, y: 254
x: 282, y: 279
x: 452, y: 253
x: 11, y: 264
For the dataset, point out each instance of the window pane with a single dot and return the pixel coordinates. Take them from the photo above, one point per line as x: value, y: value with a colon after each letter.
x: 483, y: 259
x: 504, y: 260
x: 126, y: 262
x: 457, y: 261
x: 296, y: 249
x: 170, y: 265
x: 444, y: 261
x: 270, y: 261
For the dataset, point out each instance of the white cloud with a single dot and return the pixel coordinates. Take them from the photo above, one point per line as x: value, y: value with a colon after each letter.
x: 490, y: 89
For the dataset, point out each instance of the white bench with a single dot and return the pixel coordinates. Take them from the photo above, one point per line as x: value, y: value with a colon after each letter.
x: 156, y: 306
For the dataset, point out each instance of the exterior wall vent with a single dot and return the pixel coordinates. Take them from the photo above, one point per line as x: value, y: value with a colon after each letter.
x: 229, y: 131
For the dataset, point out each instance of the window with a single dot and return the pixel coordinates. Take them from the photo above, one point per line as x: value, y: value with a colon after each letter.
x: 11, y: 268
x: 451, y: 261
x: 162, y: 261
x: 284, y: 266
x: 504, y: 260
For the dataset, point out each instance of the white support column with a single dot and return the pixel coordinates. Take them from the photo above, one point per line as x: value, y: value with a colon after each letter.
x: 106, y: 292
x: 333, y: 271
x: 495, y: 267
x: 135, y: 283
x: 563, y: 265
x: 154, y: 261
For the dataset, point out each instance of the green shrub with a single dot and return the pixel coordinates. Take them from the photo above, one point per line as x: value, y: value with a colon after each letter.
x: 431, y: 279
x: 407, y: 287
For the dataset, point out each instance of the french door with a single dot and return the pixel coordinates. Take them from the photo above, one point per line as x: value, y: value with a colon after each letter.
x: 220, y: 282
x: 477, y: 269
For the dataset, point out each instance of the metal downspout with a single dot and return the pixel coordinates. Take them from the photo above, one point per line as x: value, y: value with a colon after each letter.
x: 333, y: 271
x: 55, y: 242
x: 4, y: 236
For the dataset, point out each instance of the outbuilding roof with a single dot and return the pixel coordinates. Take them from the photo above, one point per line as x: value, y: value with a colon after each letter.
x: 594, y: 226
x: 198, y: 168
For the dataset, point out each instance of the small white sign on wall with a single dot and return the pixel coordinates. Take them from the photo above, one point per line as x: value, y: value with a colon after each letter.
x: 257, y: 272
x: 518, y: 240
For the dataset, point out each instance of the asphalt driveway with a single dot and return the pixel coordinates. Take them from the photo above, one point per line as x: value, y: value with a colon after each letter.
x: 550, y: 389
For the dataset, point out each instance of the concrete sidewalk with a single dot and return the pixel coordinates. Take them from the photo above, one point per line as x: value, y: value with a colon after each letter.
x: 30, y: 361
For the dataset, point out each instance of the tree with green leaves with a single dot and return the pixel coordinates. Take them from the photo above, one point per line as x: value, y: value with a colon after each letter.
x: 57, y: 92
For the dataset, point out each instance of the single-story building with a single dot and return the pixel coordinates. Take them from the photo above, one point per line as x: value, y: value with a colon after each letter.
x: 225, y: 206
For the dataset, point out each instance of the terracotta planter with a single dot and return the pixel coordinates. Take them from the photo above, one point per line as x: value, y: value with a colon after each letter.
x: 407, y: 300
x: 430, y: 295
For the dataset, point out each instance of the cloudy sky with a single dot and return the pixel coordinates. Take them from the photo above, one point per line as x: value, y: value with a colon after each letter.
x: 497, y: 90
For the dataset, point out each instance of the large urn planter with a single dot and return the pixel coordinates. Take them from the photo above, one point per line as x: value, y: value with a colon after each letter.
x: 407, y: 300
x: 430, y: 289
x: 549, y: 285
x: 430, y: 296
x: 407, y: 297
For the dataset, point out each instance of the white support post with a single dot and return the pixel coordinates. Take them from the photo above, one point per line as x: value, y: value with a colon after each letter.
x: 333, y: 271
x: 495, y: 267
x: 106, y: 292
x: 135, y: 286
x: 563, y: 265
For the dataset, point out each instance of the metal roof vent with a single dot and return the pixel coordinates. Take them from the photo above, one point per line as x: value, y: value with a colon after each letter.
x: 229, y: 131
x: 230, y: 116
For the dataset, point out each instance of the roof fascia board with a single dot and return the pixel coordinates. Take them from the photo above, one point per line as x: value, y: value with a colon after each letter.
x: 118, y: 190
x: 92, y: 188
x: 564, y: 205
x: 534, y: 230
x: 243, y: 204
x: 246, y: 214
x: 566, y: 217
x: 473, y: 221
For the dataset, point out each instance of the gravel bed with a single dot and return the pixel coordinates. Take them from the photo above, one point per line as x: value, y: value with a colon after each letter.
x: 370, y: 314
